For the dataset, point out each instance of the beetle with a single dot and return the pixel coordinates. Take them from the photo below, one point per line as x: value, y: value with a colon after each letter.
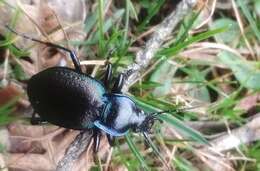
x: 71, y: 99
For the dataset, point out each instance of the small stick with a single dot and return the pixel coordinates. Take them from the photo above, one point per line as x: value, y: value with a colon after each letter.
x: 152, y: 46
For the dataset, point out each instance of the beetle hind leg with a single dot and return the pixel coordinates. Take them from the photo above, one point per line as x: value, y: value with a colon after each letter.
x: 111, y: 140
x: 97, y: 137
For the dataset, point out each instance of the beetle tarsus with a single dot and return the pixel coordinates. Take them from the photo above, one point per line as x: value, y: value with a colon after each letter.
x: 97, y: 136
x: 117, y: 88
x: 111, y: 140
x: 108, y: 75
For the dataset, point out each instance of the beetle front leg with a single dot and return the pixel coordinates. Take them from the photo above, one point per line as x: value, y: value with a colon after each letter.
x: 108, y: 75
x: 117, y: 88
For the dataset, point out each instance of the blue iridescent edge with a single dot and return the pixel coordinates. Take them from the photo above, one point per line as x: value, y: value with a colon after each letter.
x: 110, y: 131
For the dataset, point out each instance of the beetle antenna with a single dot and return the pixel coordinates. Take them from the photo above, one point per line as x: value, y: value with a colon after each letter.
x: 72, y: 54
x: 37, y: 40
x: 173, y: 110
x: 155, y: 149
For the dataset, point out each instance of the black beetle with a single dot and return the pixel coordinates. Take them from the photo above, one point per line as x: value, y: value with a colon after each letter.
x: 71, y: 99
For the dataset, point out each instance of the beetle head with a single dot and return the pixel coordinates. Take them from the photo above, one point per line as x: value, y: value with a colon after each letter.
x: 147, y: 123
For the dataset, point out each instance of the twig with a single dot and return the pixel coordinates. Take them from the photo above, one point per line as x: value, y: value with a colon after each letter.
x: 204, y: 126
x: 248, y: 133
x: 160, y: 34
x: 213, y: 155
x: 143, y: 57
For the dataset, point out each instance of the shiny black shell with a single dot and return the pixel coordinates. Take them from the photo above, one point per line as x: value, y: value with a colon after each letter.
x: 66, y: 98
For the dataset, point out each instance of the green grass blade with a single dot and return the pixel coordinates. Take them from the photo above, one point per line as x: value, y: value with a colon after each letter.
x: 90, y: 22
x: 6, y: 110
x: 14, y: 19
x: 175, y: 49
x: 155, y: 7
x: 155, y: 149
x: 132, y: 10
x: 126, y: 22
x: 182, y: 164
x: 189, y: 132
x: 185, y: 28
x: 101, y: 27
x: 249, y: 17
x: 135, y: 151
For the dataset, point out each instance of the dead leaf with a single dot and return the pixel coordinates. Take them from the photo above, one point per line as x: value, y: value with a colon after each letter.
x: 30, y: 162
x: 9, y: 92
x: 249, y: 103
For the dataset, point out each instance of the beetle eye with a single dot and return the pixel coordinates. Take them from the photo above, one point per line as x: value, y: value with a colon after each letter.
x: 138, y: 111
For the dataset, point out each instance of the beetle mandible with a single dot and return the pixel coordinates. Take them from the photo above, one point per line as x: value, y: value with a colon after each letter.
x: 71, y: 99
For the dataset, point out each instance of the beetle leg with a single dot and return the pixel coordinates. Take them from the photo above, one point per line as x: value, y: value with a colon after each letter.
x: 97, y: 136
x: 111, y: 140
x: 73, y: 56
x: 75, y: 60
x: 36, y: 120
x: 108, y: 75
x: 118, y: 84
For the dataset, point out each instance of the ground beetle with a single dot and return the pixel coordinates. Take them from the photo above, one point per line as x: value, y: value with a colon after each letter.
x: 71, y: 99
